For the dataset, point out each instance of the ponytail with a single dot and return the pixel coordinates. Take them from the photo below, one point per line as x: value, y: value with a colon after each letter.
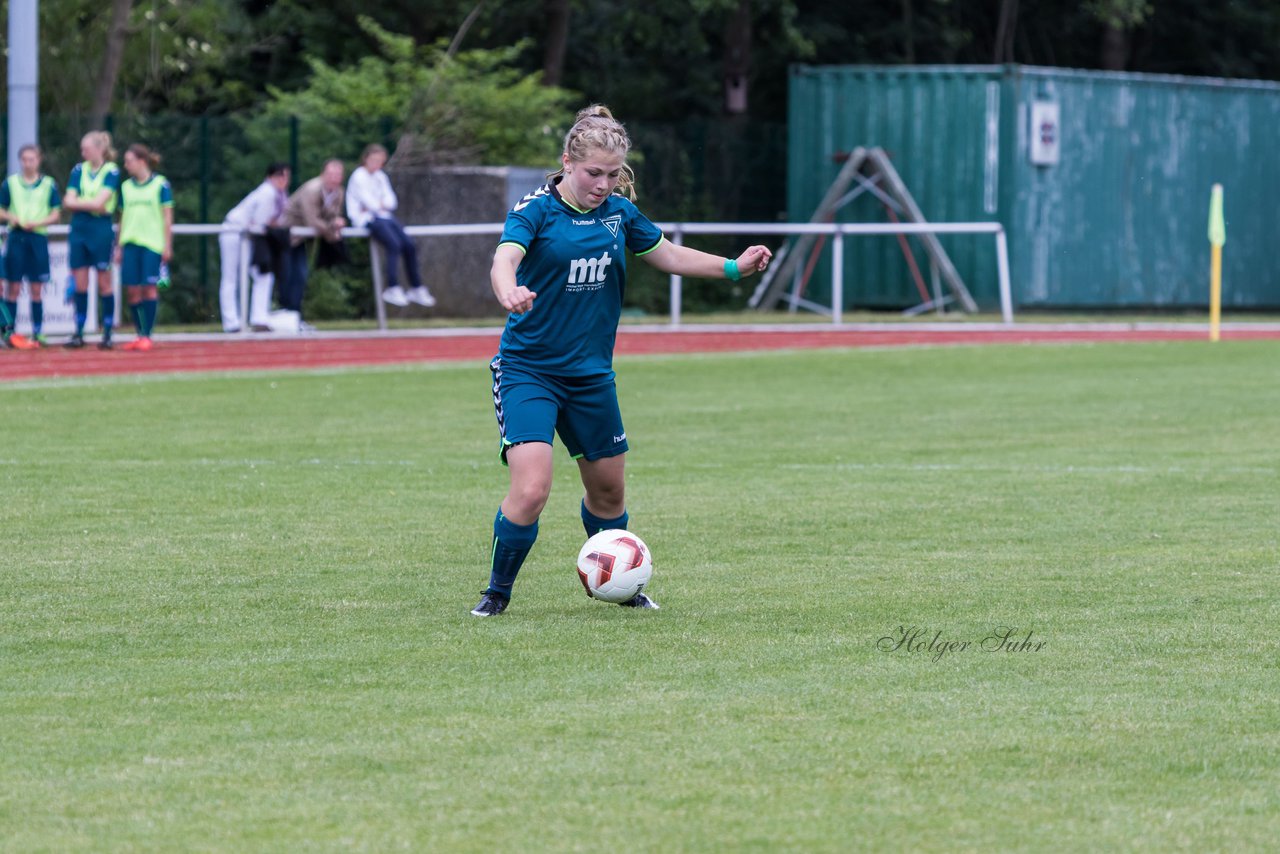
x: 141, y: 152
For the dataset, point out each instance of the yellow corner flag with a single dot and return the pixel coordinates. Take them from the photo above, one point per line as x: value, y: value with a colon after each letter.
x: 1217, y: 237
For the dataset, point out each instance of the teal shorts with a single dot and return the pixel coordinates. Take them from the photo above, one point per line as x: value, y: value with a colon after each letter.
x: 26, y: 256
x: 533, y: 407
x: 90, y: 244
x: 138, y: 265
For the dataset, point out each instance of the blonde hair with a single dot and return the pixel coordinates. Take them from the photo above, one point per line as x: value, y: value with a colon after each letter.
x: 595, y: 129
x: 102, y: 139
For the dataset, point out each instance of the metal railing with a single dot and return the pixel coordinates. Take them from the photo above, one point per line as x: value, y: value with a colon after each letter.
x: 677, y: 231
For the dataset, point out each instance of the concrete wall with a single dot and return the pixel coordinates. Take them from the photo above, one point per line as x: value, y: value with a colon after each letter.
x: 456, y: 269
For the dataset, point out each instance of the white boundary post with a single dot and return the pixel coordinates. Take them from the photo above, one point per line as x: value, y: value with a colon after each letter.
x: 677, y: 282
x: 377, y: 261
x: 1002, y: 263
x: 837, y: 277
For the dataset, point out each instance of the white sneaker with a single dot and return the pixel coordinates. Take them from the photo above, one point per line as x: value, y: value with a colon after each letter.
x: 421, y: 296
x: 395, y: 296
x: 285, y: 321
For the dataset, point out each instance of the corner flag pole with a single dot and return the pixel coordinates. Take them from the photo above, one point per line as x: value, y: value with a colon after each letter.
x: 1217, y: 237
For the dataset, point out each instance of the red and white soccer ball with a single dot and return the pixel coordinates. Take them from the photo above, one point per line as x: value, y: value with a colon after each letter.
x: 614, y: 566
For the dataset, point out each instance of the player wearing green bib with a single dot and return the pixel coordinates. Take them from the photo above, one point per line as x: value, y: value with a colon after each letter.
x: 29, y: 203
x: 146, y: 238
x: 92, y: 193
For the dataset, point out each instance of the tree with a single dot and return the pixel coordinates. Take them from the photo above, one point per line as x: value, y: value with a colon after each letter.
x: 469, y: 106
x: 737, y: 59
x: 112, y: 57
x: 557, y: 41
x: 1119, y: 18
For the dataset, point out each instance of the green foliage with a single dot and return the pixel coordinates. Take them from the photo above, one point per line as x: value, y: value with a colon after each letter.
x: 175, y: 54
x: 472, y: 107
x: 330, y: 296
x: 1120, y: 14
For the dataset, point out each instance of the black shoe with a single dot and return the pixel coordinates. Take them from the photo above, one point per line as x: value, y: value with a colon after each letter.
x: 640, y: 601
x: 491, y: 604
x: 105, y: 344
x: 75, y: 342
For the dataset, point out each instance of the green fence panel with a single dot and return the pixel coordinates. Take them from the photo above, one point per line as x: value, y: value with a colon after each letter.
x: 1117, y: 221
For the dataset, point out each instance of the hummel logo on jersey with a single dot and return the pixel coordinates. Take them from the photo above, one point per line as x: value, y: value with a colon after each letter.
x: 588, y: 270
x: 584, y: 222
x: 612, y: 223
x: 524, y: 203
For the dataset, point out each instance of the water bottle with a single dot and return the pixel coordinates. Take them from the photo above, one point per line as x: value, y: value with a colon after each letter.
x: 163, y: 281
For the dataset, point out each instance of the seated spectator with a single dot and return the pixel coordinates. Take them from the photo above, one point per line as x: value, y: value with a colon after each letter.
x: 371, y: 204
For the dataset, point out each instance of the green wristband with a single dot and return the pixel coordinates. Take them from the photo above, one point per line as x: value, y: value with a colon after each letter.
x: 731, y: 270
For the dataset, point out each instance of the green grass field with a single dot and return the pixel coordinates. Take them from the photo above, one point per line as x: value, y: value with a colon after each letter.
x: 234, y: 611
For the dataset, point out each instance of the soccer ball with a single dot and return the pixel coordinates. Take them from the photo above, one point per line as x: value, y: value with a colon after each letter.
x: 614, y: 566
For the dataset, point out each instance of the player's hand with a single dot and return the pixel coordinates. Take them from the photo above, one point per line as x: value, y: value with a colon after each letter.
x: 754, y: 260
x: 518, y: 300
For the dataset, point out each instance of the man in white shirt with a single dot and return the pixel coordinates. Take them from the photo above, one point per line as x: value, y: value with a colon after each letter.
x: 371, y: 204
x: 262, y: 209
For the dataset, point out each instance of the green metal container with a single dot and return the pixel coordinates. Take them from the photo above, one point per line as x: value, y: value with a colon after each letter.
x: 1101, y: 180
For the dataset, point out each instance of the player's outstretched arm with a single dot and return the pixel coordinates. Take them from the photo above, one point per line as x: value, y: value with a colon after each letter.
x: 502, y: 276
x: 686, y: 261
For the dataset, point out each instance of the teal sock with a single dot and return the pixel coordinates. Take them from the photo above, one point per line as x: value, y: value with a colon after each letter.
x: 11, y: 312
x: 594, y: 524
x: 37, y: 316
x: 108, y: 306
x: 511, y: 545
x: 82, y: 311
x: 149, y: 316
x: 6, y: 316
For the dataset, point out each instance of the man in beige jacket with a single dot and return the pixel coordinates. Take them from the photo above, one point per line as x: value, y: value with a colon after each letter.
x: 318, y: 204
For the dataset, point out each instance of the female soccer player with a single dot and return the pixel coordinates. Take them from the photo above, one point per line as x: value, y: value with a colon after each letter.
x: 560, y: 269
x: 146, y: 238
x: 29, y: 203
x: 91, y: 197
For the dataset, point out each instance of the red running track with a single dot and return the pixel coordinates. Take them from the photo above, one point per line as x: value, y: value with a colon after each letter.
x: 183, y: 356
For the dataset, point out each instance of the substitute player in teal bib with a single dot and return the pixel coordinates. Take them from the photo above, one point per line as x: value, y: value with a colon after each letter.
x: 561, y: 270
x: 92, y: 195
x: 29, y: 203
x: 146, y: 239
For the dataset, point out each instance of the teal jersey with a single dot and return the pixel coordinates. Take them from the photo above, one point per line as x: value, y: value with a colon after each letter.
x: 575, y: 262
